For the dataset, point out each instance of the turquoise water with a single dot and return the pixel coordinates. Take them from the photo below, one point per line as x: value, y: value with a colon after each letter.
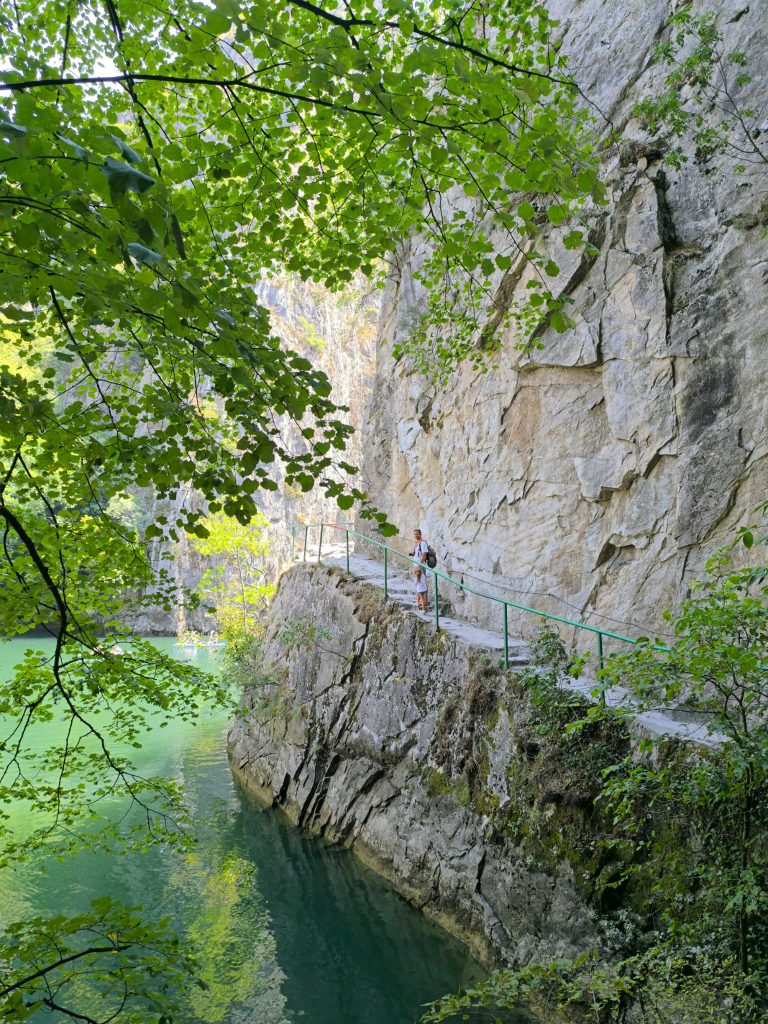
x: 292, y: 929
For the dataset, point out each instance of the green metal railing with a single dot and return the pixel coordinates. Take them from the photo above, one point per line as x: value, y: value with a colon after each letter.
x: 437, y: 575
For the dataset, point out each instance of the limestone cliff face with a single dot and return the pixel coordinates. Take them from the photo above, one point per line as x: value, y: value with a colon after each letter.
x: 415, y: 750
x: 337, y: 332
x: 605, y: 467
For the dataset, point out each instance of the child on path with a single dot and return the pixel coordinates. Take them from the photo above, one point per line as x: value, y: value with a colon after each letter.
x: 420, y: 585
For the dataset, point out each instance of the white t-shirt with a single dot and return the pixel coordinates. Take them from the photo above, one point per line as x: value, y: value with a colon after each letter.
x: 421, y: 584
x: 422, y: 548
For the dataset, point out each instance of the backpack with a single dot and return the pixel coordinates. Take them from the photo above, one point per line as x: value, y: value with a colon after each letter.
x: 431, y: 556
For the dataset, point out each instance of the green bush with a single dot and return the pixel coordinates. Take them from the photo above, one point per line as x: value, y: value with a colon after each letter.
x: 689, y: 825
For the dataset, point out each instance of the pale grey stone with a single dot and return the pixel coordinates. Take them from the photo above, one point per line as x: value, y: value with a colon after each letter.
x: 603, y: 468
x: 371, y: 749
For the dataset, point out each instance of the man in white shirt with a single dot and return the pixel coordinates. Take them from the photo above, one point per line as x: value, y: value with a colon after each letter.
x: 420, y: 549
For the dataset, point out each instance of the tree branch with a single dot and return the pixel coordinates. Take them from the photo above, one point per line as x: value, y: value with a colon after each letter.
x: 88, y: 951
x: 217, y: 83
x: 454, y: 44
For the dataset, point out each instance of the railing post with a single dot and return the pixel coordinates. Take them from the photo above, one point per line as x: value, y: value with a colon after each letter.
x: 506, y: 636
x: 437, y: 610
x: 346, y: 539
x: 306, y: 538
x: 320, y: 545
x: 600, y: 663
x: 386, y: 575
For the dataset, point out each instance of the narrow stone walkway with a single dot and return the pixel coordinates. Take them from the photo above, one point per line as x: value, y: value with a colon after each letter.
x: 400, y: 589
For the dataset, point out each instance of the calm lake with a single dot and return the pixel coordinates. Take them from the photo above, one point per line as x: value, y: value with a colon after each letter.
x: 293, y: 929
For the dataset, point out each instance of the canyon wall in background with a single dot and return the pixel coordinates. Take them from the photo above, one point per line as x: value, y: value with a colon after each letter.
x: 337, y: 332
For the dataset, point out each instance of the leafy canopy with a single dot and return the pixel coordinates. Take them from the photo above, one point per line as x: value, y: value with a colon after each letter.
x: 95, y: 966
x: 156, y: 160
x: 284, y: 136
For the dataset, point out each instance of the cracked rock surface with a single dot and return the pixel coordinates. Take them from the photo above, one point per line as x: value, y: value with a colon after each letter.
x: 599, y: 472
x: 375, y: 732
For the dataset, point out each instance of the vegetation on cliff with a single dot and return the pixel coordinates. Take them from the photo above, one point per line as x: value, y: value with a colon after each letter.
x: 237, y: 583
x: 701, y: 103
x: 687, y: 836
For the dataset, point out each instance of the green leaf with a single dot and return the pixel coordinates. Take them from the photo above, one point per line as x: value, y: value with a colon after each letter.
x: 526, y: 210
x: 561, y: 322
x: 11, y: 130
x: 178, y: 238
x: 76, y: 148
x: 144, y: 230
x: 573, y: 239
x: 142, y: 254
x: 124, y: 178
x: 521, y: 94
x: 187, y: 298
x: 130, y: 154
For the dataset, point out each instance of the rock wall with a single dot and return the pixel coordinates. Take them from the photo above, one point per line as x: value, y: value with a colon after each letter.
x: 591, y: 478
x: 337, y: 332
x: 417, y: 751
x: 596, y: 475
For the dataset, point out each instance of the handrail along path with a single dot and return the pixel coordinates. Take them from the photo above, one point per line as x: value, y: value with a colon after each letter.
x: 437, y: 575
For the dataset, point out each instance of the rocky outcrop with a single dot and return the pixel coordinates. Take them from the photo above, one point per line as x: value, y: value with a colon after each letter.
x: 599, y: 472
x: 418, y: 751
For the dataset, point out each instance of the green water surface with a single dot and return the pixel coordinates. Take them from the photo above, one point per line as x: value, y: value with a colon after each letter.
x: 292, y: 929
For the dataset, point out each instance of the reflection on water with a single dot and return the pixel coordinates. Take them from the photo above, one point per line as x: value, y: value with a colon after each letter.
x: 292, y: 929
